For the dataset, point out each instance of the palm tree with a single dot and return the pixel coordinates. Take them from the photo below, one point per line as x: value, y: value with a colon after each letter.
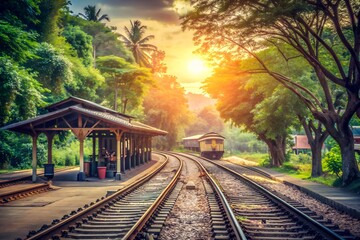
x: 136, y: 42
x: 92, y: 15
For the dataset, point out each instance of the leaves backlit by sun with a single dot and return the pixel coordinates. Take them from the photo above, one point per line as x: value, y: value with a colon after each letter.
x: 182, y: 7
x: 197, y: 67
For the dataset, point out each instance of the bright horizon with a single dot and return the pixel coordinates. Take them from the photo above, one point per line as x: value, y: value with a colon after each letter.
x: 162, y: 21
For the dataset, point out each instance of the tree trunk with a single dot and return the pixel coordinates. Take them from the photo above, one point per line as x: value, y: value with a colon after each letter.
x: 316, y: 164
x: 350, y: 168
x: 316, y: 137
x: 277, y: 150
x: 115, y: 98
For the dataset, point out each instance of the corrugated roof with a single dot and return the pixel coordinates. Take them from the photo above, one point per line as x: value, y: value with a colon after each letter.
x: 84, y: 102
x: 301, y: 142
x: 115, y: 119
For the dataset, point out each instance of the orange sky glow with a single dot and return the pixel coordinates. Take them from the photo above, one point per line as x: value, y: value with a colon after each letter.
x: 162, y: 19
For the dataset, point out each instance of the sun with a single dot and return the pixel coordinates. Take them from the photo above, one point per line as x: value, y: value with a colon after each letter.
x: 197, y: 66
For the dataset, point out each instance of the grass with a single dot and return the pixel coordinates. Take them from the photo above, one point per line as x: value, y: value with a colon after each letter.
x: 254, y: 157
x: 299, y: 168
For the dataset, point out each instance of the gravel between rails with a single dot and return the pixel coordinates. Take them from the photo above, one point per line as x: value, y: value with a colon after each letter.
x: 343, y: 220
x: 190, y: 218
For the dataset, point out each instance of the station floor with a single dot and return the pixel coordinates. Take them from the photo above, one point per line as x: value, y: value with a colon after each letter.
x: 339, y: 198
x: 18, y: 217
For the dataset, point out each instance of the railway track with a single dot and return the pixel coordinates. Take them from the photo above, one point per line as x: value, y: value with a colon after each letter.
x: 223, y: 222
x: 21, y: 187
x: 118, y: 216
x: 263, y: 215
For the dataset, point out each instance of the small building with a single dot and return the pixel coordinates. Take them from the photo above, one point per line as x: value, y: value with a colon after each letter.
x: 301, y: 144
x: 119, y: 142
x: 356, y: 134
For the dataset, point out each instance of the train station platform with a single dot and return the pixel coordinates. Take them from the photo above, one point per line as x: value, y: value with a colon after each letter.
x: 339, y: 198
x: 18, y: 217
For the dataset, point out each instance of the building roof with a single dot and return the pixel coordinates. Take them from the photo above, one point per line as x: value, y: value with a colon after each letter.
x: 356, y: 131
x: 69, y: 113
x: 301, y: 142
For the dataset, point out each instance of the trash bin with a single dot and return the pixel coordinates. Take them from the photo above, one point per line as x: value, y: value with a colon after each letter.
x: 101, y: 172
x: 87, y: 168
x: 49, y: 170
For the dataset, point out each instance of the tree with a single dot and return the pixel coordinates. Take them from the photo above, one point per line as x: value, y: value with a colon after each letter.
x: 126, y: 78
x: 52, y: 67
x: 92, y: 15
x: 81, y: 43
x: 165, y: 108
x: 324, y: 33
x: 135, y: 40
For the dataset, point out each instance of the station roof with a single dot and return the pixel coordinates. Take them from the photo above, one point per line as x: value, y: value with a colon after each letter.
x: 76, y: 113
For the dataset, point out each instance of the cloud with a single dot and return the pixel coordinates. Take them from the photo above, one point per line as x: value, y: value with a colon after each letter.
x: 158, y: 10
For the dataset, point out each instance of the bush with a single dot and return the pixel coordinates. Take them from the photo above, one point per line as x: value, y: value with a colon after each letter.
x: 332, y: 161
x: 265, y: 162
x: 304, y: 158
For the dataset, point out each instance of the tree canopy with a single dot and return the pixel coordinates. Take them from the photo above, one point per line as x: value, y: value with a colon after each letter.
x: 323, y: 33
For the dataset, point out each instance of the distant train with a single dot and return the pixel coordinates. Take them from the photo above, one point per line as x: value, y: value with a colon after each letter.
x: 210, y: 145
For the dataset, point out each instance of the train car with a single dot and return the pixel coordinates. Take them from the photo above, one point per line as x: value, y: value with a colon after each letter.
x: 211, y: 145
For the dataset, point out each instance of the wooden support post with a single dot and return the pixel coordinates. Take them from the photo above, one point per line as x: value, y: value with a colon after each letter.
x: 150, y: 146
x: 118, y: 133
x: 34, y: 160
x: 50, y: 137
x: 142, y: 150
x: 81, y: 134
x: 123, y: 154
x: 132, y: 152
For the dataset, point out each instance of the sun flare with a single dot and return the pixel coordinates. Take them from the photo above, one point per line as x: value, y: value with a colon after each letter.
x: 197, y: 66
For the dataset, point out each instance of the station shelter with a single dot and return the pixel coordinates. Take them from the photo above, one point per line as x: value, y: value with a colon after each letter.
x: 119, y: 143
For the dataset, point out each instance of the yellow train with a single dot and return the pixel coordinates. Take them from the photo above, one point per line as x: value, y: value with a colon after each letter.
x: 210, y: 145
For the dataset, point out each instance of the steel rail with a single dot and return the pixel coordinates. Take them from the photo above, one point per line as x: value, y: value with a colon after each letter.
x: 64, y: 224
x: 13, y: 181
x: 233, y: 221
x: 132, y: 233
x: 326, y: 232
x: 4, y: 198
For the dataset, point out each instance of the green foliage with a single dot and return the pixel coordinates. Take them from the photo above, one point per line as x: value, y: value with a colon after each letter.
x: 165, y: 107
x: 125, y: 82
x: 136, y: 41
x: 67, y: 154
x: 53, y: 68
x: 81, y: 42
x: 332, y: 161
x: 20, y: 93
x: 16, y: 42
x: 91, y: 14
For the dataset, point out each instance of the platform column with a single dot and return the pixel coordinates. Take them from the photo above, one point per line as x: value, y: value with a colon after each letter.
x: 50, y: 137
x: 123, y: 154
x: 142, y: 150
x: 133, y: 152
x: 34, y: 160
x: 118, y: 133
x: 147, y: 149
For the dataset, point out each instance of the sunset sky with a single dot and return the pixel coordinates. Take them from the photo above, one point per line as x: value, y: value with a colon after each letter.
x: 162, y: 19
